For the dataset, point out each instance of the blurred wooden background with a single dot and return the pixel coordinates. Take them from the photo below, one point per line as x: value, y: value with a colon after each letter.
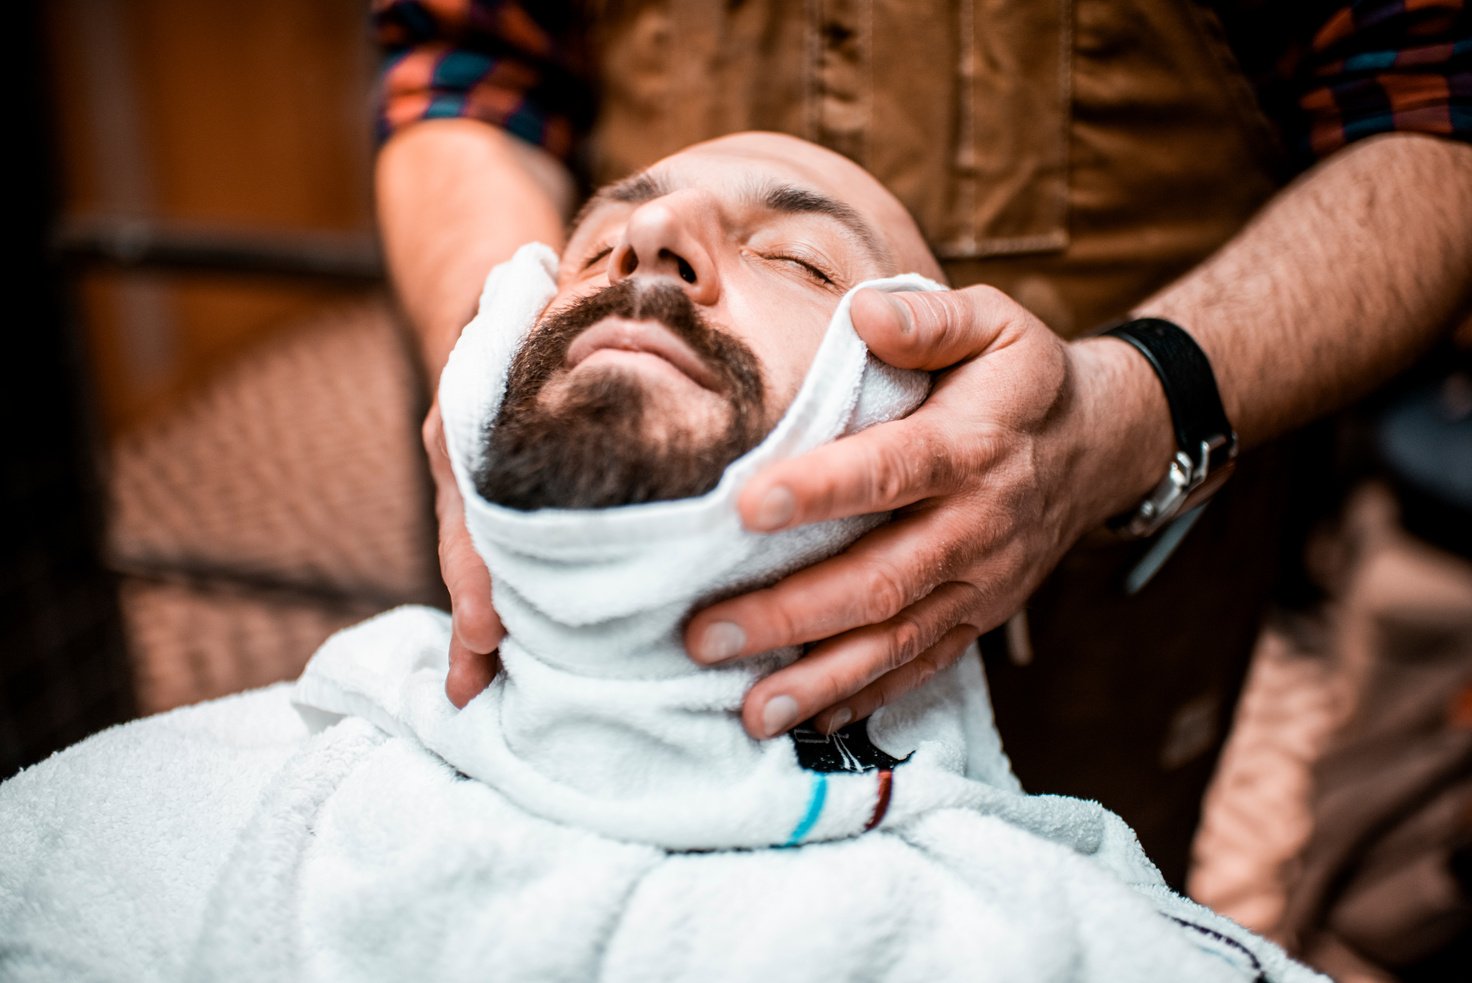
x: 206, y: 123
x: 224, y: 464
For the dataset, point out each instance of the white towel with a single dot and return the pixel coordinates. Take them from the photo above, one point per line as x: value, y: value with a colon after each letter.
x: 600, y: 720
x: 597, y: 814
x: 109, y: 850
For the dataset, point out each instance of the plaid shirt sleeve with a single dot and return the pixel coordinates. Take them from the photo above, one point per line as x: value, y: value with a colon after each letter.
x: 513, y: 64
x: 1335, y: 71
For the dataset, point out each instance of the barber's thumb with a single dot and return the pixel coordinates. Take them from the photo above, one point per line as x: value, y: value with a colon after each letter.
x: 933, y: 329
x: 887, y: 324
x: 913, y: 329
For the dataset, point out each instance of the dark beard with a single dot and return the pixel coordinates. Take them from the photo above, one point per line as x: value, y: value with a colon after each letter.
x: 592, y: 450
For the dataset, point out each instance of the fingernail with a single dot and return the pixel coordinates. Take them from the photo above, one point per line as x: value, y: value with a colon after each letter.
x: 776, y: 509
x: 901, y: 311
x: 839, y: 720
x: 721, y: 641
x: 779, y: 714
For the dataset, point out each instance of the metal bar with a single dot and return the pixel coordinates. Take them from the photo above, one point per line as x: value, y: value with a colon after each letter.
x: 143, y: 245
x: 203, y: 575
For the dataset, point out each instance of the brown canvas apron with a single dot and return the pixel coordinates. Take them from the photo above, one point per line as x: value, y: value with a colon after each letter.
x: 1078, y: 154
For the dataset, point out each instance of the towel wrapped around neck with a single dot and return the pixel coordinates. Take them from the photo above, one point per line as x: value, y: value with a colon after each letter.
x: 600, y: 719
x: 597, y: 813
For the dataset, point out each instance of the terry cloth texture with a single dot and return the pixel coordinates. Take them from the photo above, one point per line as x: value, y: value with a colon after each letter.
x: 598, y: 813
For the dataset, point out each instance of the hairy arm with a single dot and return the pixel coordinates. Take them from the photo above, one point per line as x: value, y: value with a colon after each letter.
x: 1341, y: 281
x: 456, y: 197
x: 1027, y: 443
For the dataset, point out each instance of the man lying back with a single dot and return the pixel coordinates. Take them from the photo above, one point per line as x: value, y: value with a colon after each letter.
x: 600, y: 811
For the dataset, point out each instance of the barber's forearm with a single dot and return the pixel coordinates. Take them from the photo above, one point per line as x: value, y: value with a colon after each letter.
x: 455, y: 197
x: 1343, y: 279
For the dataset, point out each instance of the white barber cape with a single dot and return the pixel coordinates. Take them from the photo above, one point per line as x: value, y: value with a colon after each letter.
x: 598, y: 813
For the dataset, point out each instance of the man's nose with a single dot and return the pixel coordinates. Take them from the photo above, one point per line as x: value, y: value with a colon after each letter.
x: 668, y: 237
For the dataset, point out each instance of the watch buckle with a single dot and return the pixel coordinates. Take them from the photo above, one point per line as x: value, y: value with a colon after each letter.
x: 1165, y: 501
x: 1182, y: 479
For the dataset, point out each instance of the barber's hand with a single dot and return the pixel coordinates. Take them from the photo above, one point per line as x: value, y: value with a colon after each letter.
x: 477, y: 629
x: 994, y: 477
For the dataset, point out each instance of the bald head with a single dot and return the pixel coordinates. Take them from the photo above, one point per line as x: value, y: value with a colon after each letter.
x: 836, y: 177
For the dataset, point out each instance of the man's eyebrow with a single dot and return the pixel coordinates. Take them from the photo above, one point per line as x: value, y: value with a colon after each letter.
x: 632, y: 190
x: 792, y: 199
x: 786, y: 199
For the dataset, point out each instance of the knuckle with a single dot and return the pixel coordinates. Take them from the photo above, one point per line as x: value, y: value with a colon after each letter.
x: 906, y: 640
x: 934, y: 459
x: 890, y: 474
x: 886, y: 691
x: 835, y: 688
x: 923, y: 669
x: 452, y: 551
x: 875, y: 701
x: 884, y: 595
x: 911, y: 337
x: 988, y: 443
x: 825, y: 492
x: 964, y: 602
x: 931, y: 316
x: 866, y: 700
x: 955, y: 553
x: 781, y: 619
x: 452, y: 563
x: 906, y: 680
x: 815, y: 690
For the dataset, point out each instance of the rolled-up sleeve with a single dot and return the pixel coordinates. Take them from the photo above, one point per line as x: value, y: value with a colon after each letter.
x: 514, y: 65
x: 1379, y: 66
x: 1330, y: 72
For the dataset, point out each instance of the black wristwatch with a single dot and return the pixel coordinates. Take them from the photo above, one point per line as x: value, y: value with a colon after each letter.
x: 1206, y: 445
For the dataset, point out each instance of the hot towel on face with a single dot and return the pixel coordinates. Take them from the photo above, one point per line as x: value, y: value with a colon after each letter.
x: 598, y: 813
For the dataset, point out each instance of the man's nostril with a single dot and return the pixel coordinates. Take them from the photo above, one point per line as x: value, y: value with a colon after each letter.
x: 687, y: 272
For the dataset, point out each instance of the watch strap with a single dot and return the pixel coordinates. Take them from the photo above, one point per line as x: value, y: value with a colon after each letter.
x: 1196, y: 409
x: 1206, y: 446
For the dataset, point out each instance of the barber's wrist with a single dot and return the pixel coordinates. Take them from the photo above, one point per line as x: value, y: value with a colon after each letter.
x: 1206, y: 444
x: 1124, y: 425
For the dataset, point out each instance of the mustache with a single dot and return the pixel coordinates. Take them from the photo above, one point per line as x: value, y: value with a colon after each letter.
x: 662, y: 302
x: 735, y: 367
x: 592, y: 449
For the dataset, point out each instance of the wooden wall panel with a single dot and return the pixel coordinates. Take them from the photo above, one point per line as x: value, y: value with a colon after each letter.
x: 240, y: 117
